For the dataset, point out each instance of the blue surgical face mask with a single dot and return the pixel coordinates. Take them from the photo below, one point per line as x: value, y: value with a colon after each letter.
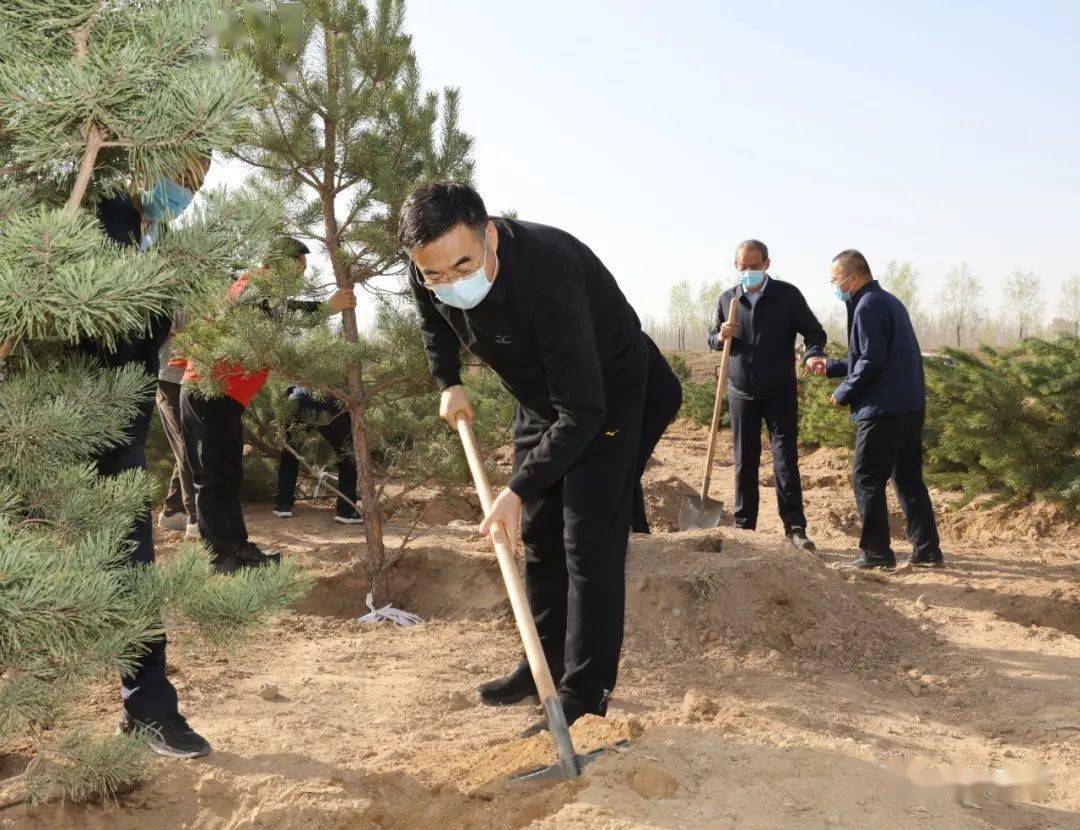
x: 467, y: 292
x: 751, y: 279
x: 165, y: 200
x: 841, y: 295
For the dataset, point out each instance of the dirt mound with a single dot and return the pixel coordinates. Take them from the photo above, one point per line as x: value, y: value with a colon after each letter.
x: 663, y: 499
x: 982, y: 522
x: 435, y: 508
x: 752, y: 603
x: 444, y: 582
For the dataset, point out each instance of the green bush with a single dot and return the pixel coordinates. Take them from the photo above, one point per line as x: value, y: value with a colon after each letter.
x: 821, y: 424
x: 997, y: 421
x: 1007, y: 421
x: 679, y: 367
x: 698, y: 400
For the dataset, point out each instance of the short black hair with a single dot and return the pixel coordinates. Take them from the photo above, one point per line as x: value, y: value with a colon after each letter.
x: 288, y: 247
x: 436, y: 208
x: 853, y: 261
x: 754, y: 245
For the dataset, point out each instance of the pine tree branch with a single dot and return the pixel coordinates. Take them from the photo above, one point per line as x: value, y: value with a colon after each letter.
x: 358, y: 205
x: 81, y: 36
x: 377, y: 387
x: 95, y: 137
x: 306, y: 175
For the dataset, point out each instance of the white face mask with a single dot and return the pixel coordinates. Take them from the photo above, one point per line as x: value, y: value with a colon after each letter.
x: 467, y: 292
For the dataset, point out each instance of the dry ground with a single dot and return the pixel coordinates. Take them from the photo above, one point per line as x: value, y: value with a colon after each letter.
x: 760, y: 687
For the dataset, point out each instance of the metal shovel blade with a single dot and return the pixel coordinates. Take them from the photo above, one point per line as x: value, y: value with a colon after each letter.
x: 700, y: 514
x: 555, y: 771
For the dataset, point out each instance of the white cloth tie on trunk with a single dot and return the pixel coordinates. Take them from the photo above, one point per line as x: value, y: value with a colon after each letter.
x: 388, y: 613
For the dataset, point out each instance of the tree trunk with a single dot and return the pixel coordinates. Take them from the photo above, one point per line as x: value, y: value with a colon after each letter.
x: 958, y: 337
x: 378, y: 583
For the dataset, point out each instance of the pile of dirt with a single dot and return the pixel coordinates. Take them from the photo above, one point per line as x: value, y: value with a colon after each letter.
x: 663, y: 500
x: 747, y: 605
x: 433, y: 507
x: 981, y: 521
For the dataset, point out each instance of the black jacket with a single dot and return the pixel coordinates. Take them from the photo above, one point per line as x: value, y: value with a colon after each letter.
x: 122, y: 223
x: 556, y: 328
x: 883, y: 372
x: 762, y: 363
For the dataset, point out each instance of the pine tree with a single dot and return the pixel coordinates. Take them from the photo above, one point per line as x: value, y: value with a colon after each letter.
x: 97, y: 96
x: 345, y: 138
x: 1007, y: 421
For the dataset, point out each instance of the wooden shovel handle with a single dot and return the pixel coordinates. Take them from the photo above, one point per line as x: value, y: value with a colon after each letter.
x: 504, y: 550
x: 718, y: 404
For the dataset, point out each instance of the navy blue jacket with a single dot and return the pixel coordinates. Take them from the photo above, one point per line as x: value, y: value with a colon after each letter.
x: 762, y: 361
x: 883, y: 372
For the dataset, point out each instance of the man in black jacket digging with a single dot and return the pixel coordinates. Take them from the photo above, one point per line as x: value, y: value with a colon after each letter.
x: 539, y: 308
x: 885, y: 388
x: 761, y: 383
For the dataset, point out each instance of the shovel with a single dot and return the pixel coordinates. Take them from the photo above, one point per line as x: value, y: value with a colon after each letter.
x: 701, y: 512
x: 570, y: 763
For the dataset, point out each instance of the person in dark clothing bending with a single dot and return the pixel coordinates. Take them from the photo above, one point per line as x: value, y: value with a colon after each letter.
x: 332, y: 421
x: 885, y: 388
x: 761, y: 383
x: 151, y: 706
x: 214, y: 440
x: 539, y: 308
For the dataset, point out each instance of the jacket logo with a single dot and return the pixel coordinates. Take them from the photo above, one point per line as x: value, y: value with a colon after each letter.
x: 502, y: 339
x: 611, y: 433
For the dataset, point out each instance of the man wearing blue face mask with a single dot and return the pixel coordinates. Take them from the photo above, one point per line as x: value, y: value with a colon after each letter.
x: 885, y: 387
x: 762, y: 386
x: 539, y: 308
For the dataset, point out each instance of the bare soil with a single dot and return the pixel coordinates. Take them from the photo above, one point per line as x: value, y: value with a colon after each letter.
x: 761, y: 687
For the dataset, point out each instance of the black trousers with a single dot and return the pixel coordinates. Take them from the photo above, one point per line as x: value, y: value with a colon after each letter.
x: 147, y: 693
x: 214, y: 443
x: 575, y: 536
x: 891, y: 447
x: 332, y: 421
x: 781, y: 417
x: 663, y: 399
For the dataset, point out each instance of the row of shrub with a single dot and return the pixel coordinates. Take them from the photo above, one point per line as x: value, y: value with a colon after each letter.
x: 1001, y: 421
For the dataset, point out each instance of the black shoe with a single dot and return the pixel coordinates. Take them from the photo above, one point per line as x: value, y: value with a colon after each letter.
x: 506, y: 691
x: 354, y: 519
x: 797, y: 537
x: 920, y: 562
x: 867, y: 564
x: 572, y: 708
x: 169, y: 737
x: 745, y: 526
x: 247, y: 556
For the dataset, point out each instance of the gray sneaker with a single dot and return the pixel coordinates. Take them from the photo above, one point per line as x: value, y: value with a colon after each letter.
x: 172, y: 521
x: 797, y: 537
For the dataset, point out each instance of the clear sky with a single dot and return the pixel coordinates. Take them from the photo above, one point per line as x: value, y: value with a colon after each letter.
x: 662, y: 133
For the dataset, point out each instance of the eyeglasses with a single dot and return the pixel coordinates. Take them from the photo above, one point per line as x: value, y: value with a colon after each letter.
x: 453, y: 275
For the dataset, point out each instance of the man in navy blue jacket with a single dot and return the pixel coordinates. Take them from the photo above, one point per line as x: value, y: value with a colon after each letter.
x: 885, y: 388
